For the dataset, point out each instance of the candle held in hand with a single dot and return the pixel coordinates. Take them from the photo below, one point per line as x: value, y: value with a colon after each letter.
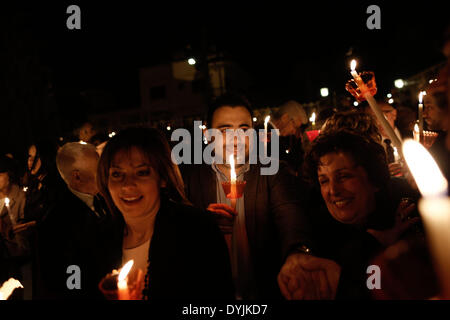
x: 356, y: 76
x: 374, y: 107
x: 266, y: 121
x: 434, y: 208
x: 233, y: 178
x: 122, y: 281
x: 421, y: 94
x: 312, y: 119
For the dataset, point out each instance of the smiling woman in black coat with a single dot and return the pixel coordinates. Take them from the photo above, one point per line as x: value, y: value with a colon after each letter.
x: 180, y: 249
x: 358, y: 211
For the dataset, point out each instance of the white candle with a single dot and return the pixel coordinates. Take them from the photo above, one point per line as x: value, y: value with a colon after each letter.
x: 434, y: 208
x: 396, y: 155
x: 355, y: 74
x: 232, y: 170
x: 312, y: 119
x: 374, y: 106
x: 421, y: 94
x: 7, y: 201
x: 266, y: 121
x: 416, y: 133
x: 122, y: 281
x: 233, y: 189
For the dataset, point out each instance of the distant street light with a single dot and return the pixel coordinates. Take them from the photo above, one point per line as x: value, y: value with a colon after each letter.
x: 355, y: 103
x: 324, y: 92
x: 399, y: 83
x: 389, y: 95
x: 391, y: 101
x: 192, y: 61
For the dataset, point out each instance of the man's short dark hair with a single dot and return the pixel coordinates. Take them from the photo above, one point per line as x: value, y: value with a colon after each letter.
x: 230, y: 100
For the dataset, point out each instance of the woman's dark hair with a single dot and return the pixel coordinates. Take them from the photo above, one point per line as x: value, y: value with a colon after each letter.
x: 154, y: 146
x: 356, y: 121
x: 365, y: 152
x: 46, y: 151
x: 231, y: 100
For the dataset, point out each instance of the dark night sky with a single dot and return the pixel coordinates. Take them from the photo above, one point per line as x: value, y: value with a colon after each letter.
x: 290, y: 51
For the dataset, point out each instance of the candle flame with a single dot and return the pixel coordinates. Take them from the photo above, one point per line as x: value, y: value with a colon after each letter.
x: 232, y: 170
x: 416, y: 128
x: 7, y: 201
x: 266, y: 120
x: 353, y: 65
x: 125, y: 270
x: 426, y: 173
x: 313, y: 117
x: 8, y: 287
x: 421, y: 94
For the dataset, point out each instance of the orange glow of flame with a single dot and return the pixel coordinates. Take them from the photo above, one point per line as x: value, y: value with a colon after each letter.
x: 125, y: 270
x: 8, y: 287
x: 421, y: 94
x: 232, y: 170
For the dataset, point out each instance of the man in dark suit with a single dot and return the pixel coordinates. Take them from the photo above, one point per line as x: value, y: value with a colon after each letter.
x: 270, y: 246
x: 73, y: 234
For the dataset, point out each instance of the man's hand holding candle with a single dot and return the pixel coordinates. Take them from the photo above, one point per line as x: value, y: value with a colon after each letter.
x: 224, y: 216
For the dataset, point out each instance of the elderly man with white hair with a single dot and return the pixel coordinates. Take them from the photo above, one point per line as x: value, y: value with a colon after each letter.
x: 75, y: 232
x: 291, y: 119
x: 77, y: 165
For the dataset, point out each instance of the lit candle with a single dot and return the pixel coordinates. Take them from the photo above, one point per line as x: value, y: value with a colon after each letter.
x: 396, y: 155
x: 416, y: 133
x: 312, y: 119
x: 7, y: 209
x: 374, y: 106
x: 8, y: 287
x: 122, y: 281
x: 421, y: 94
x: 266, y: 121
x: 233, y: 191
x: 356, y: 76
x: 434, y: 208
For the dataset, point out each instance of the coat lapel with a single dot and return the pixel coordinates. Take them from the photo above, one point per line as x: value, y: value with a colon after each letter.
x: 208, y: 185
x: 250, y: 201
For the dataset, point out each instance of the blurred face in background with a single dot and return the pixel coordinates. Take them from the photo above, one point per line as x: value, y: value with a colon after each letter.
x: 4, y: 183
x: 435, y: 117
x: 346, y: 189
x: 31, y: 159
x: 390, y: 113
x: 86, y: 132
x: 288, y: 125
